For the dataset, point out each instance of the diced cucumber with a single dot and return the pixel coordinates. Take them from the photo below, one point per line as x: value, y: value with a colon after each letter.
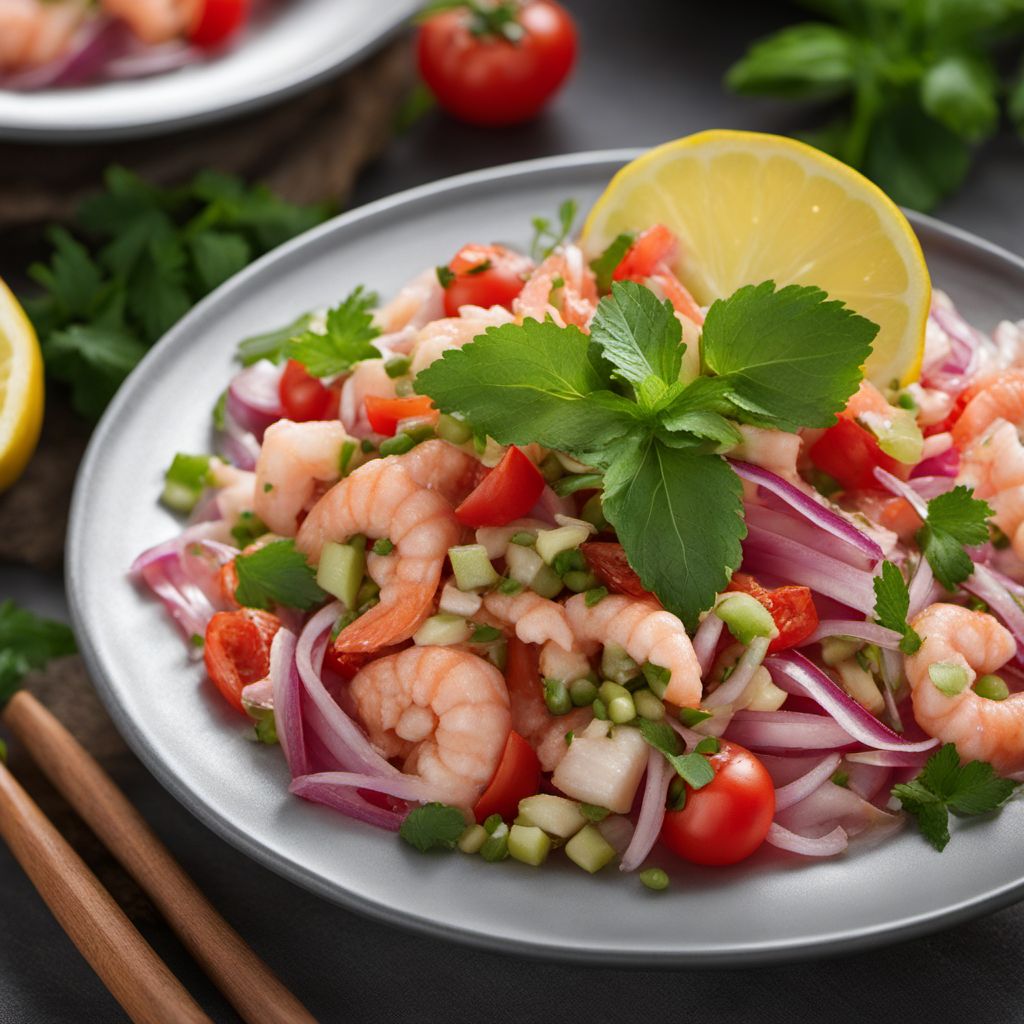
x: 341, y: 570
x: 528, y: 844
x: 589, y: 850
x: 179, y: 497
x: 554, y: 814
x: 527, y: 567
x: 562, y: 538
x: 745, y: 617
x: 617, y: 665
x: 582, y: 692
x: 578, y: 581
x: 495, y: 846
x: 453, y: 430
x: 472, y: 567
x: 459, y: 602
x: 443, y: 630
x: 472, y: 839
x: 835, y: 649
x: 648, y: 706
x: 618, y: 701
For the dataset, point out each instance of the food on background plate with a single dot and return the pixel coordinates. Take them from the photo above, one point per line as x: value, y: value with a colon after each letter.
x: 622, y: 544
x: 21, y: 388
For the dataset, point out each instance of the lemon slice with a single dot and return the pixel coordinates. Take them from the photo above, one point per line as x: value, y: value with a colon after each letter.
x: 749, y: 207
x: 21, y: 388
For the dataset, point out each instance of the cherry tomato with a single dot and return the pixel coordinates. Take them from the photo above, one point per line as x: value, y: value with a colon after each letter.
x: 237, y: 650
x: 517, y: 776
x: 611, y: 566
x: 348, y: 663
x: 303, y: 397
x: 385, y: 414
x: 496, y: 64
x: 850, y: 453
x: 216, y: 20
x: 508, y: 492
x: 655, y: 246
x: 791, y: 607
x: 726, y: 820
x: 485, y: 275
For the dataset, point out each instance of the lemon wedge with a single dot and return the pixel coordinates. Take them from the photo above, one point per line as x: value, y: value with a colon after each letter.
x: 749, y: 207
x: 21, y: 388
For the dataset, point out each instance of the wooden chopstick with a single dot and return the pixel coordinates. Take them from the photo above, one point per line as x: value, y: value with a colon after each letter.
x: 248, y: 984
x: 138, y: 979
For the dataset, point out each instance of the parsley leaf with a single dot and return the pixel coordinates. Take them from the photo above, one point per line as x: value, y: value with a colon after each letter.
x: 27, y: 642
x: 433, y: 826
x: 955, y: 519
x: 273, y: 344
x: 945, y: 785
x: 346, y: 341
x: 605, y: 264
x: 546, y: 238
x: 892, y: 602
x: 277, y: 574
x: 693, y: 768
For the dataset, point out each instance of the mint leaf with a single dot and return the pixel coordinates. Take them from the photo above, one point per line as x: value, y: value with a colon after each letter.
x: 638, y: 334
x: 277, y: 574
x: 272, y: 344
x: 433, y: 826
x: 892, y: 603
x: 346, y: 341
x: 789, y: 358
x: 693, y: 768
x: 662, y: 499
x: 605, y: 264
x: 955, y: 520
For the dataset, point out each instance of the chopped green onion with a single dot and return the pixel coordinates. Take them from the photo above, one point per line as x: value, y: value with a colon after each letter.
x: 991, y: 688
x: 577, y: 482
x: 582, y: 692
x: 600, y: 711
x: 593, y: 512
x: 266, y: 729
x: 593, y: 596
x: 578, y: 581
x: 491, y: 822
x: 524, y: 538
x: 708, y: 745
x: 693, y: 716
x: 841, y: 778
x: 648, y: 706
x: 184, y: 481
x: 383, y: 546
x: 348, y: 449
x: 594, y: 813
x: 485, y: 635
x: 509, y: 586
x: 556, y: 696
x: 397, y: 366
x: 657, y: 678
x: 676, y: 800
x: 248, y: 528
x: 397, y: 445
x: 367, y: 446
x: 655, y: 879
x: 571, y: 560
x: 495, y: 846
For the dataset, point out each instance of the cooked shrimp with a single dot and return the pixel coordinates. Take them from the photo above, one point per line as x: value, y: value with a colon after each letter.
x: 440, y: 466
x: 416, y: 304
x: 982, y: 729
x: 381, y: 499
x: 999, y: 398
x: 453, y: 332
x: 567, y: 664
x: 993, y: 465
x: 297, y: 462
x: 444, y: 713
x: 33, y: 33
x: 237, y: 489
x: 536, y: 620
x: 154, y: 21
x: 368, y: 378
x: 564, y: 286
x: 648, y: 634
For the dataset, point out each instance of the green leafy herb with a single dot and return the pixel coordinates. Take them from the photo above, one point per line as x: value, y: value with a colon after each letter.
x: 485, y: 635
x: 604, y: 265
x: 346, y: 340
x: 892, y: 602
x: 277, y: 574
x: 546, y: 237
x: 955, y: 519
x: 946, y: 785
x: 567, y: 485
x: 27, y: 642
x: 445, y: 275
x: 433, y: 826
x: 693, y: 716
x: 273, y: 344
x: 693, y: 768
x: 248, y: 528
x: 594, y: 813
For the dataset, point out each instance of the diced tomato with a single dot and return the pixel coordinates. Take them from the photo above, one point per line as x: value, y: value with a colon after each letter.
x: 652, y: 247
x: 508, y: 492
x: 348, y: 663
x: 237, y: 650
x: 517, y: 776
x: 485, y: 275
x: 385, y: 414
x: 304, y: 397
x: 611, y: 566
x: 850, y: 453
x: 216, y: 20
x: 228, y: 580
x: 791, y: 607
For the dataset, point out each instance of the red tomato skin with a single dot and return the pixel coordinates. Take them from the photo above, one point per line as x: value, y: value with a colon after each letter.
x: 508, y: 492
x: 517, y: 776
x: 490, y: 81
x: 303, y: 397
x: 385, y: 414
x: 652, y: 247
x: 611, y: 566
x: 849, y: 453
x: 498, y: 285
x: 217, y: 20
x: 791, y: 606
x: 237, y: 650
x: 727, y: 820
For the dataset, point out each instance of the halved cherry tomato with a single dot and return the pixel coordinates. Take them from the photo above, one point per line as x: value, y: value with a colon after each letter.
x: 348, y: 663
x: 726, y: 820
x: 611, y: 566
x: 485, y: 275
x: 216, y: 20
x: 237, y: 650
x: 517, y: 776
x: 850, y: 453
x: 385, y: 414
x: 791, y: 607
x: 303, y: 397
x: 650, y: 248
x: 508, y: 492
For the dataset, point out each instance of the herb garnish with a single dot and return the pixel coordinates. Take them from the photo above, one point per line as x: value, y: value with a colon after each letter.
x: 345, y: 341
x: 27, y: 642
x: 955, y: 519
x: 892, y: 603
x: 433, y: 826
x: 546, y: 238
x: 277, y: 574
x: 693, y: 768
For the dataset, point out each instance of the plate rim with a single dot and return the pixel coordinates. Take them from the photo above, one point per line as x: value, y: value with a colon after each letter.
x: 786, y: 950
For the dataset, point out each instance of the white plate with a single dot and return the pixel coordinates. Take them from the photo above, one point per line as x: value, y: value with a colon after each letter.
x: 772, y: 907
x: 299, y: 43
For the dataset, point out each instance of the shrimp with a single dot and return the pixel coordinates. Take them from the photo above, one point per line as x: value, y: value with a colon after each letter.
x: 982, y: 729
x: 416, y: 304
x: 34, y: 33
x: 648, y: 634
x: 536, y: 620
x: 567, y: 664
x: 774, y: 450
x: 993, y: 465
x: 444, y: 713
x: 154, y: 21
x: 381, y: 499
x: 999, y: 397
x: 237, y: 492
x: 297, y: 462
x: 565, y: 278
x: 368, y: 378
x: 453, y: 332
x: 440, y: 466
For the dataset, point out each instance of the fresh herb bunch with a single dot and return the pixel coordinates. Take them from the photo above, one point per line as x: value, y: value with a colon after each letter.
x: 921, y: 77
x: 152, y: 253
x: 27, y: 642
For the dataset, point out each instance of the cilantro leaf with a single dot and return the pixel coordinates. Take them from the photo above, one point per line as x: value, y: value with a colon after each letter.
x: 433, y: 826
x: 534, y: 382
x: 946, y: 785
x: 546, y: 238
x: 346, y: 341
x: 663, y: 499
x: 638, y: 334
x: 789, y: 358
x: 693, y: 768
x: 892, y: 603
x: 27, y: 642
x: 605, y: 264
x: 277, y: 574
x: 955, y: 519
x: 273, y: 344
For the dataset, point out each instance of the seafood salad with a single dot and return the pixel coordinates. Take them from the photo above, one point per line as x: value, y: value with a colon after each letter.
x: 594, y: 551
x: 49, y: 43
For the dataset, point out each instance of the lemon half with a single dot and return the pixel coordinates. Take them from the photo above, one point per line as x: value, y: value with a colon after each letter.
x: 21, y: 388
x: 749, y: 207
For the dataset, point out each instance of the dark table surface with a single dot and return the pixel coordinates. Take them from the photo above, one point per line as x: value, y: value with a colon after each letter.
x: 650, y: 71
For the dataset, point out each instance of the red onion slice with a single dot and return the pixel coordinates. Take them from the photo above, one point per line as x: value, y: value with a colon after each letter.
x: 869, y: 632
x: 652, y: 812
x: 984, y: 583
x: 802, y: 531
x: 284, y: 677
x: 795, y: 791
x: 834, y: 579
x: 705, y: 641
x: 732, y: 689
x: 945, y: 465
x: 254, y: 401
x: 787, y: 730
x: 824, y: 846
x: 902, y: 490
x: 325, y: 788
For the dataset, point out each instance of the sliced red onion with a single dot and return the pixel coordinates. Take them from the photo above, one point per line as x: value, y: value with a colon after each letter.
x: 732, y: 689
x: 795, y: 791
x: 254, y: 401
x: 965, y: 339
x: 823, y: 846
x: 705, y: 641
x: 892, y: 670
x: 921, y: 586
x: 869, y: 632
x: 890, y: 758
x: 945, y: 465
x: 258, y: 696
x: 809, y: 507
x: 839, y: 581
x: 829, y: 806
x: 652, y: 812
x: 932, y: 486
x: 617, y: 830
x: 787, y: 730
x: 804, y: 532
x: 902, y: 490
x: 238, y: 444
x: 549, y: 504
x: 985, y: 584
x: 284, y: 677
x: 795, y: 674
x: 689, y: 737
x: 870, y: 782
x: 97, y: 42
x: 324, y: 789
